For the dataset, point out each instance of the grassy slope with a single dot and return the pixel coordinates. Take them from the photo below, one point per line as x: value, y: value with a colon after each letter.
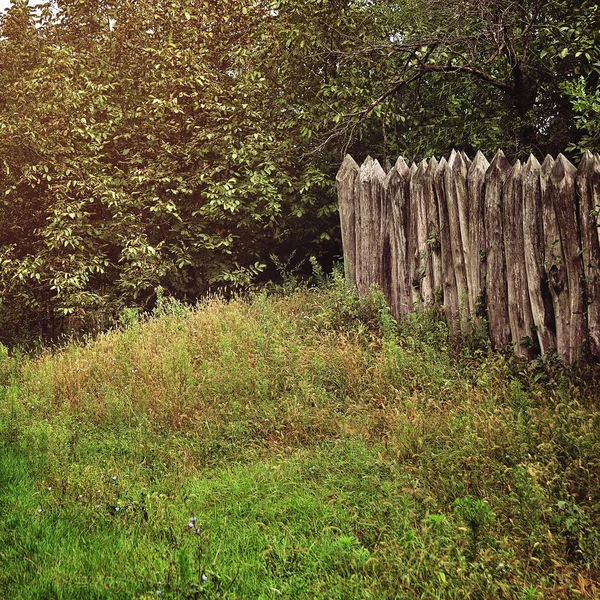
x: 323, y: 454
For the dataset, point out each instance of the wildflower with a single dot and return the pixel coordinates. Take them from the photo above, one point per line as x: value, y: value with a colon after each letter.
x: 191, y: 525
x: 193, y: 520
x: 50, y: 488
x: 114, y: 477
x: 197, y: 532
x: 40, y: 511
x: 159, y: 592
x: 117, y: 508
x: 204, y: 577
x: 134, y: 370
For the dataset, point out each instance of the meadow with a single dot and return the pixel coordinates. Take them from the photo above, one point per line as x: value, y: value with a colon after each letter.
x: 297, y: 445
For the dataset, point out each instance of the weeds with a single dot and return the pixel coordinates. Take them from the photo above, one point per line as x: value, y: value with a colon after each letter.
x: 301, y: 446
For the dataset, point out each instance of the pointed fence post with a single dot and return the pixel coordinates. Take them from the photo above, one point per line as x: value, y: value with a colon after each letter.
x: 533, y: 240
x: 496, y: 286
x: 420, y: 204
x: 412, y: 246
x: 456, y: 199
x: 397, y: 186
x: 433, y: 229
x: 449, y: 286
x: 346, y: 185
x: 562, y: 184
x: 475, y: 246
x: 371, y: 177
x: 588, y: 191
x: 520, y: 316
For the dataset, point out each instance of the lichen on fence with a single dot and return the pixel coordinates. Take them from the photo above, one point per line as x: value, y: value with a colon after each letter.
x: 518, y: 245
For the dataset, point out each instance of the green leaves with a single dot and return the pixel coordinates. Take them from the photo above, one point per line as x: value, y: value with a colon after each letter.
x: 143, y: 144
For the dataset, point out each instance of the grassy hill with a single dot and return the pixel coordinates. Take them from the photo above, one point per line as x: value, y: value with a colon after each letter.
x: 297, y: 446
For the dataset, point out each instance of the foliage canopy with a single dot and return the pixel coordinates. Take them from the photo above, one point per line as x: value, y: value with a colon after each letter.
x: 179, y: 143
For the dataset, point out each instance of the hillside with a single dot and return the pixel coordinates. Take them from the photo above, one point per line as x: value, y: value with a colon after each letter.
x: 295, y: 446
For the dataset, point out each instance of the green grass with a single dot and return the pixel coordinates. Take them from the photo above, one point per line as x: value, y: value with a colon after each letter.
x: 324, y: 451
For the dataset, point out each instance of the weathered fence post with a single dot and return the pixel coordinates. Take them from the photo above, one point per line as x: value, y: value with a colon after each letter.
x: 588, y: 191
x: 475, y: 247
x: 449, y: 287
x: 397, y: 186
x: 419, y: 206
x: 370, y: 185
x: 433, y: 229
x: 346, y: 185
x: 520, y: 316
x: 496, y: 286
x: 456, y: 200
x: 533, y: 238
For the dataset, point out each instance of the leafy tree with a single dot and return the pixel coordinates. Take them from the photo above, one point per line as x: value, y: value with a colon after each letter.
x: 475, y: 75
x: 150, y: 151
x: 179, y: 143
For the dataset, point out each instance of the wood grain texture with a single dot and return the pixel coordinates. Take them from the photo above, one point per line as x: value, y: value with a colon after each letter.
x: 346, y: 181
x: 520, y: 316
x: 496, y: 285
x: 518, y: 244
x: 533, y: 239
x: 588, y: 192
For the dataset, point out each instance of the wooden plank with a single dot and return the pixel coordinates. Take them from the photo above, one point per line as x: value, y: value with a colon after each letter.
x: 520, y: 316
x: 423, y: 273
x: 456, y: 198
x: 475, y: 254
x: 412, y: 244
x: 496, y: 286
x: 449, y: 288
x: 588, y: 192
x: 387, y: 236
x: 433, y: 229
x: 563, y: 184
x: 371, y: 191
x: 397, y: 187
x: 554, y: 262
x: 346, y: 180
x: 533, y: 240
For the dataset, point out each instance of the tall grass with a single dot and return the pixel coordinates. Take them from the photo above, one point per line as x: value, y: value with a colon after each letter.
x: 323, y: 450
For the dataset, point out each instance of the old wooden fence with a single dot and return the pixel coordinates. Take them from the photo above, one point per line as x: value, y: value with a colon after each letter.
x: 516, y: 244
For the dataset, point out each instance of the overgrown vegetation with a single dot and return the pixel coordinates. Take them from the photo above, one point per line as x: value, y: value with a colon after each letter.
x: 297, y: 446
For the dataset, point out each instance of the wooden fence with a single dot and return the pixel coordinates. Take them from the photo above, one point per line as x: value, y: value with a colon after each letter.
x: 517, y: 244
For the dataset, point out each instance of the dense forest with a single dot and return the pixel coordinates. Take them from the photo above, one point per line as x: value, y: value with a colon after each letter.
x: 184, y: 146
